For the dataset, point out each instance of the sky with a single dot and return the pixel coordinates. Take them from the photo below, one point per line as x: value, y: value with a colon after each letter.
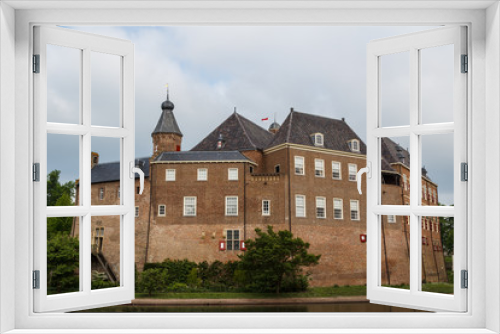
x: 263, y: 71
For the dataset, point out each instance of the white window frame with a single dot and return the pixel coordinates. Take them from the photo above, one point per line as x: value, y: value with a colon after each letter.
x: 232, y: 174
x: 319, y: 139
x: 202, y: 174
x: 357, y: 209
x: 340, y: 170
x: 303, y: 197
x: 170, y: 174
x: 353, y: 143
x: 232, y: 239
x: 299, y: 165
x: 101, y: 193
x: 412, y: 43
x: 160, y: 208
x: 341, y: 208
x: 186, y: 205
x: 227, y: 207
x: 353, y: 170
x: 266, y: 211
x: 484, y: 209
x: 391, y: 219
x: 320, y: 204
x: 319, y: 166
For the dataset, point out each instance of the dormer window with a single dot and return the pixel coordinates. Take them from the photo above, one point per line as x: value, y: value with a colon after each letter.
x: 318, y: 139
x: 354, y: 145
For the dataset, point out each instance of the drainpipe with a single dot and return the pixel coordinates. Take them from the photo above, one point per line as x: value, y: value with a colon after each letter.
x: 385, y: 252
x: 151, y: 187
x: 244, y: 202
x: 289, y: 189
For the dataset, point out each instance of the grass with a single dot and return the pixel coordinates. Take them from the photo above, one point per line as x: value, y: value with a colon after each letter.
x: 357, y: 290
x: 317, y: 292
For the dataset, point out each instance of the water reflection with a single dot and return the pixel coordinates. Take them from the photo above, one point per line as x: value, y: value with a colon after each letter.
x: 338, y: 307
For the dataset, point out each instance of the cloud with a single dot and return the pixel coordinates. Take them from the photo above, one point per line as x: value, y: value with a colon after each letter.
x: 261, y: 70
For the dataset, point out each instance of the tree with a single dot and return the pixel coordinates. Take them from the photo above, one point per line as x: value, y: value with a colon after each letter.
x: 273, y: 259
x: 55, y: 190
x: 62, y: 261
x: 447, y: 234
x: 153, y: 280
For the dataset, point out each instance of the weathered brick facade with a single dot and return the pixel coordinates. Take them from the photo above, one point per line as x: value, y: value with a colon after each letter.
x: 175, y: 235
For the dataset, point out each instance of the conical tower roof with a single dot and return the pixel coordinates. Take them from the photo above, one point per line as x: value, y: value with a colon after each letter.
x: 167, y: 122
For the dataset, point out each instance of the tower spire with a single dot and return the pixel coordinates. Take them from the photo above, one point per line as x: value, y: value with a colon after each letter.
x: 166, y: 85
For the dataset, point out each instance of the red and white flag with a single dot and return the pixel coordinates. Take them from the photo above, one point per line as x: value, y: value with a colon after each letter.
x: 265, y: 119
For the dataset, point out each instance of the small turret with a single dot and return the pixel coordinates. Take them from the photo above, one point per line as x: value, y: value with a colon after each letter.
x: 167, y: 136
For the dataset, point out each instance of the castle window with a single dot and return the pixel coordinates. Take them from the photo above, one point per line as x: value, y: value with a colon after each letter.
x: 251, y: 169
x: 318, y: 139
x: 320, y: 207
x: 98, y: 239
x: 119, y: 192
x: 138, y: 190
x: 101, y: 194
x: 231, y: 205
x: 319, y: 167
x: 391, y: 218
x: 232, y: 174
x: 354, y: 210
x: 161, y: 210
x: 277, y: 169
x: 353, y: 170
x: 233, y: 239
x: 405, y: 182
x: 336, y: 174
x: 300, y: 206
x: 136, y: 211
x: 338, y: 208
x: 354, y: 145
x: 266, y: 207
x: 190, y: 206
x: 170, y: 175
x: 299, y: 165
x: 202, y: 174
x: 424, y: 191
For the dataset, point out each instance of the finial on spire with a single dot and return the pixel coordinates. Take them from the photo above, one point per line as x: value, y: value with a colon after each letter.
x: 166, y: 85
x: 235, y: 110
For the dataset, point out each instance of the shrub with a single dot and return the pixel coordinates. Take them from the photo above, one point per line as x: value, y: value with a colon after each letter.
x: 153, y: 280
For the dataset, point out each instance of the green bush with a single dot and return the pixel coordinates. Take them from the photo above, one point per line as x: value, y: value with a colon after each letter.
x: 153, y: 280
x: 192, y: 280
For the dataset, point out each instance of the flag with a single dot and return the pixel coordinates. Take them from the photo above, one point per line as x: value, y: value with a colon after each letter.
x: 265, y: 119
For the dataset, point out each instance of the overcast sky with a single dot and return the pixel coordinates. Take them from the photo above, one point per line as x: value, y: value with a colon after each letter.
x: 262, y: 71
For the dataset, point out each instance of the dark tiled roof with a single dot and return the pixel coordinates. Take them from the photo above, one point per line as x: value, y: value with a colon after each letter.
x: 167, y: 123
x: 298, y: 128
x: 201, y: 156
x: 390, y: 153
x: 110, y: 171
x: 239, y: 133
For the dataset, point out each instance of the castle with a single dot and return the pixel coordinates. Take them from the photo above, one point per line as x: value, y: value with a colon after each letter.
x: 301, y: 176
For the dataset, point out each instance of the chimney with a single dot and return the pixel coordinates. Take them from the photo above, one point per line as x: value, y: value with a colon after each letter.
x: 94, y: 159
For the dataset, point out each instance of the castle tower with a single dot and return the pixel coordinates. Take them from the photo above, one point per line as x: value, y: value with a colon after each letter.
x: 167, y: 136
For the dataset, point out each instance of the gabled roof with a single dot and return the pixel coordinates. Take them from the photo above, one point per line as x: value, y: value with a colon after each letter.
x: 298, y: 128
x: 110, y: 171
x: 201, y: 156
x: 239, y: 133
x: 390, y: 153
x: 167, y: 123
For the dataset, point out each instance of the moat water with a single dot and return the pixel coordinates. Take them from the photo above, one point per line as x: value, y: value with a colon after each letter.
x: 339, y: 307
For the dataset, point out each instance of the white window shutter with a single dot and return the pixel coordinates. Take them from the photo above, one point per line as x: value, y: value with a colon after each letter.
x: 415, y: 297
x: 85, y: 297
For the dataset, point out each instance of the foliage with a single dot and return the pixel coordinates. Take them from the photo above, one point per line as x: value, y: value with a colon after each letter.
x: 56, y: 190
x: 101, y: 281
x: 274, y: 261
x: 447, y: 234
x: 152, y: 280
x: 62, y: 261
x: 178, y: 270
x: 192, y: 280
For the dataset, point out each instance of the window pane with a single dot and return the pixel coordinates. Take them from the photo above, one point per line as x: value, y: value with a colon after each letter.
x: 63, y: 84
x: 63, y: 168
x: 106, y: 86
x: 63, y: 255
x: 395, y: 252
x: 106, y: 171
x: 436, y: 84
x: 395, y: 170
x: 106, y: 236
x: 395, y: 89
x: 437, y: 254
x: 437, y: 170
